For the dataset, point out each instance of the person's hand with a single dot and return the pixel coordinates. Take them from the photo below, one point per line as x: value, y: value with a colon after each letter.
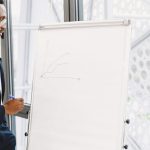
x: 14, y: 106
x: 2, y: 18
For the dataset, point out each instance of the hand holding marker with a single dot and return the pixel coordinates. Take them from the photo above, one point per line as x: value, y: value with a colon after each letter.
x: 14, y: 105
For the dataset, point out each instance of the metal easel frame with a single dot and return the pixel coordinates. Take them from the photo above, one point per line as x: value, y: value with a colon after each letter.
x: 60, y: 26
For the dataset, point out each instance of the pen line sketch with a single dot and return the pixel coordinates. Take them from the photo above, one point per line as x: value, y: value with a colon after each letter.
x: 54, y: 65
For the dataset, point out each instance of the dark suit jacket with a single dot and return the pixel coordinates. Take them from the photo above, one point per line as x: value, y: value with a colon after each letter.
x: 2, y: 80
x: 1, y: 2
x: 2, y: 114
x: 2, y: 110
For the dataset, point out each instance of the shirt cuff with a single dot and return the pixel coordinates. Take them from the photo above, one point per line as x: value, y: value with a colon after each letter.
x: 2, y: 114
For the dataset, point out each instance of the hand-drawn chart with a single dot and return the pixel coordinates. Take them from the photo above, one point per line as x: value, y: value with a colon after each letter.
x: 80, y: 87
x: 57, y: 63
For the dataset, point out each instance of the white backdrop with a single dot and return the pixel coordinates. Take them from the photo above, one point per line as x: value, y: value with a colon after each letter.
x: 80, y: 87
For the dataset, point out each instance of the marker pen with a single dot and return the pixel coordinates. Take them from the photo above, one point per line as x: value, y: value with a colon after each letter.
x: 11, y: 97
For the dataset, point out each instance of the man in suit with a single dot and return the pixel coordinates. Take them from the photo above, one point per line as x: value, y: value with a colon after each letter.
x: 12, y: 106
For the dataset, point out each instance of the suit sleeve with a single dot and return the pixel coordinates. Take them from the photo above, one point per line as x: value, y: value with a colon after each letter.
x: 1, y: 2
x: 2, y: 114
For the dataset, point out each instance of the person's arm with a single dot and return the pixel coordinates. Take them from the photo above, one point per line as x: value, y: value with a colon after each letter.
x: 14, y: 106
x: 11, y: 107
x: 2, y: 114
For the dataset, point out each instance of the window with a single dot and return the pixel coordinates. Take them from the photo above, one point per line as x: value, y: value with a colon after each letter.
x: 27, y: 13
x: 138, y: 132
